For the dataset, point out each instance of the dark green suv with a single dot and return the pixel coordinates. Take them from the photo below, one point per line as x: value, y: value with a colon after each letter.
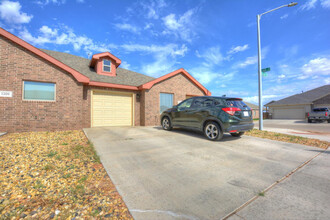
x: 211, y: 115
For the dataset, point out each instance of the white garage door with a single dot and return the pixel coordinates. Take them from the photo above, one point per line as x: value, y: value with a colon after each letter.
x: 289, y: 113
x: 112, y: 109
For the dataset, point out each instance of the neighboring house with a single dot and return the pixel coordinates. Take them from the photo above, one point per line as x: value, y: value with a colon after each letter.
x: 297, y: 106
x: 255, y: 109
x: 48, y: 90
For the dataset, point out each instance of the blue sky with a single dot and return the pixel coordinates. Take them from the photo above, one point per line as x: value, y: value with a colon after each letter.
x: 214, y: 40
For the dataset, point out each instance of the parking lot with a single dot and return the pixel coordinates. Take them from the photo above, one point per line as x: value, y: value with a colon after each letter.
x: 181, y: 175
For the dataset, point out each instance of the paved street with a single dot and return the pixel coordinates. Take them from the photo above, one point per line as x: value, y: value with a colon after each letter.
x: 181, y: 175
x: 298, y: 127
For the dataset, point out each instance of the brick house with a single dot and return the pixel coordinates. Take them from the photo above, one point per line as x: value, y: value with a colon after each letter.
x: 48, y: 90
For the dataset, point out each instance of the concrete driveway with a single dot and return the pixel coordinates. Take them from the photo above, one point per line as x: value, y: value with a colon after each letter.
x: 317, y: 130
x: 181, y: 175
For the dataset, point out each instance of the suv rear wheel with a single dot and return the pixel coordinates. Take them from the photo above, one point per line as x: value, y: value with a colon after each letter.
x: 212, y: 131
x: 237, y: 134
x: 166, y: 124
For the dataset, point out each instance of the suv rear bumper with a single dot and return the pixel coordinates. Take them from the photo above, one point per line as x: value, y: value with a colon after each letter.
x: 240, y: 128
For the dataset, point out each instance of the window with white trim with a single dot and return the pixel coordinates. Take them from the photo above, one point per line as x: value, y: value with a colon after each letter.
x: 38, y: 91
x: 106, y: 66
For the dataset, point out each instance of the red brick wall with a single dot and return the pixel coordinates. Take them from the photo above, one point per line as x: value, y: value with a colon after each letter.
x: 178, y: 85
x: 70, y: 109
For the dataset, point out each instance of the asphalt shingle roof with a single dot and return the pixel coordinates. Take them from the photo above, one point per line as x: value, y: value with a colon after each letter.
x: 304, y: 98
x: 252, y: 106
x: 80, y: 64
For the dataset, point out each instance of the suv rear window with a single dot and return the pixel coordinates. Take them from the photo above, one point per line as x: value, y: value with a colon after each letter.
x: 235, y: 103
x: 320, y: 109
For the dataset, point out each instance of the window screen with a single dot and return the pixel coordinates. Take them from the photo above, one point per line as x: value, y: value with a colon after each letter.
x: 166, y: 101
x: 39, y: 91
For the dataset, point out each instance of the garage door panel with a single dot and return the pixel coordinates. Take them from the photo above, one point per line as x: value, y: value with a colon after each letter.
x: 112, y: 109
x: 289, y: 113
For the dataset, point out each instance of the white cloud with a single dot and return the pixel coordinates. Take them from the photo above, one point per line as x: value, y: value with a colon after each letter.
x: 11, y: 13
x: 203, y: 74
x: 165, y: 57
x: 282, y: 76
x: 255, y: 99
x: 284, y: 16
x: 248, y: 61
x: 148, y: 26
x: 125, y: 65
x: 64, y: 36
x: 308, y: 5
x: 128, y: 27
x: 152, y: 8
x: 212, y: 56
x: 327, y: 80
x: 46, y: 2
x: 237, y: 49
x: 253, y: 59
x: 320, y: 66
x: 325, y: 3
x: 48, y: 31
x: 181, y: 26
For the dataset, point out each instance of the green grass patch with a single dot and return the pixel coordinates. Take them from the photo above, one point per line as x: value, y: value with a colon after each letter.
x: 82, y: 179
x: 51, y: 153
x: 288, y: 138
x: 38, y: 185
x: 49, y: 167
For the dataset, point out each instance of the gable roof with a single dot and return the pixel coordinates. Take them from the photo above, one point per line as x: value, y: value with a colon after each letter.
x: 124, y: 76
x: 176, y: 72
x: 252, y: 106
x: 105, y: 54
x: 77, y: 75
x: 80, y: 69
x: 304, y: 98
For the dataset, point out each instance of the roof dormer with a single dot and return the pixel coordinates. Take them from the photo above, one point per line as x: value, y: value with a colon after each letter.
x: 105, y: 63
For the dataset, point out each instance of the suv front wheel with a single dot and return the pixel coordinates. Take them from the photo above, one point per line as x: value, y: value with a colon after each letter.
x: 212, y: 131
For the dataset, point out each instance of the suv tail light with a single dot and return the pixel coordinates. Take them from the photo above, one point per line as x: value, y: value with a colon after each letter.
x: 326, y: 113
x: 231, y: 110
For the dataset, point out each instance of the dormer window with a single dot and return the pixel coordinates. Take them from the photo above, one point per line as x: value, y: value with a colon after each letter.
x: 106, y: 66
x: 104, y: 63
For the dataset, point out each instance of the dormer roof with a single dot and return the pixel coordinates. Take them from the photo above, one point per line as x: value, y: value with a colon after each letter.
x: 106, y: 55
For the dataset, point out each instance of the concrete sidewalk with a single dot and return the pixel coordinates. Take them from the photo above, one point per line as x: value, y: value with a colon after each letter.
x: 304, y: 195
x: 296, y: 130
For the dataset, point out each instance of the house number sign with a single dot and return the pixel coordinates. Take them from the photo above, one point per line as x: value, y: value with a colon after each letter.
x: 6, y: 94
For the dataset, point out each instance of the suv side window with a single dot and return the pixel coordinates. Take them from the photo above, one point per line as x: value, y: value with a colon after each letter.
x: 185, y: 104
x: 218, y: 102
x: 202, y: 102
